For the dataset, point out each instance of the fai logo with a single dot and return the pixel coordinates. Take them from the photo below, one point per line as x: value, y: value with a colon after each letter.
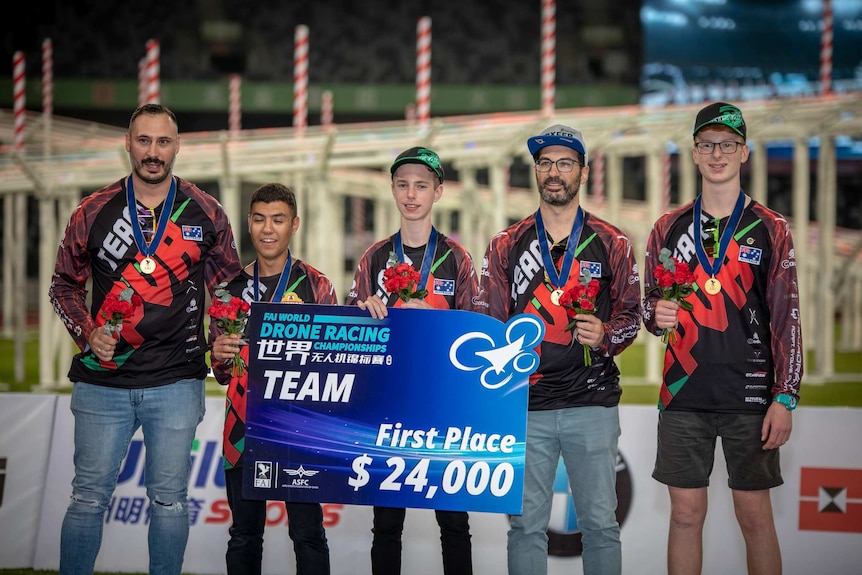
x: 500, y: 356
x: 263, y: 474
x: 830, y: 499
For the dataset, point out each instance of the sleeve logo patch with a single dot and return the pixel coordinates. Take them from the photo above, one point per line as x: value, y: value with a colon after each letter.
x: 444, y: 287
x: 193, y: 233
x: 594, y: 267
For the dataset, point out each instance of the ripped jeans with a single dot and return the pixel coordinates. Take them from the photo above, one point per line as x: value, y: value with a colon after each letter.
x: 106, y: 418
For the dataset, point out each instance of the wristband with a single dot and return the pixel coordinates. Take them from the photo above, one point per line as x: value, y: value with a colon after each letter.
x: 786, y: 400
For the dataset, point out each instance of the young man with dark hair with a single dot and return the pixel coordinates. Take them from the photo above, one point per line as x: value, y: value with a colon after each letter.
x: 276, y: 276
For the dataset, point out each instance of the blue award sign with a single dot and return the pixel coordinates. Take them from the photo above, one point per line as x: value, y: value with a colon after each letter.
x: 424, y: 408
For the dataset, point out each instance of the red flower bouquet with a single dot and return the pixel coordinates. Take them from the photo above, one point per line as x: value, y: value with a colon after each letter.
x: 117, y: 309
x: 581, y: 299
x: 401, y: 280
x: 230, y: 314
x: 674, y: 281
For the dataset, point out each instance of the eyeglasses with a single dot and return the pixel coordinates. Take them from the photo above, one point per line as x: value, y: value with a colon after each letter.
x: 728, y: 147
x: 564, y: 165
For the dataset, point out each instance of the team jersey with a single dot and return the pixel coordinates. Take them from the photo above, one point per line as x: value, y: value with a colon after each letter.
x: 514, y: 282
x: 452, y: 281
x: 737, y: 349
x: 305, y: 284
x: 164, y: 341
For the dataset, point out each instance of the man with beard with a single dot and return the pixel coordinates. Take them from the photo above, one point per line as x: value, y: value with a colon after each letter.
x: 150, y: 243
x: 574, y: 394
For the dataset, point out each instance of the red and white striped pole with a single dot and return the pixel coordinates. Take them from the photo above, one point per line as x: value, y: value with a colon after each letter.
x: 153, y: 71
x: 826, y: 50
x: 234, y: 104
x: 326, y: 114
x: 19, y: 97
x: 549, y: 57
x: 300, y: 79
x: 47, y: 79
x: 597, y: 179
x: 423, y: 70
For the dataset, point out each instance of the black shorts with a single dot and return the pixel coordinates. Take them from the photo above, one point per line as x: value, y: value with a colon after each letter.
x: 686, y: 450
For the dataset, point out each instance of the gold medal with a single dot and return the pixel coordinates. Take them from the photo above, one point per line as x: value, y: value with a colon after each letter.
x: 555, y: 296
x: 712, y: 286
x: 148, y: 265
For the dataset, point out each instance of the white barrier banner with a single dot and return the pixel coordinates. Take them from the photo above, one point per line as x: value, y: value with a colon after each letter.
x: 26, y: 421
x: 818, y: 510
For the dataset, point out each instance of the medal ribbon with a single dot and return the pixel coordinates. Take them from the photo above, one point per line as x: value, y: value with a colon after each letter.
x: 713, y: 267
x: 556, y: 280
x: 282, y: 281
x: 427, y: 259
x: 148, y: 249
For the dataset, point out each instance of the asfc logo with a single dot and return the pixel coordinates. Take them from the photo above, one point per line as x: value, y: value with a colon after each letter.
x: 564, y: 534
x: 830, y: 499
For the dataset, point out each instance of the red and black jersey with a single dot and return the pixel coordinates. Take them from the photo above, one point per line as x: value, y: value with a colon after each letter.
x: 165, y: 339
x: 513, y: 282
x: 305, y: 284
x: 452, y: 281
x: 737, y: 349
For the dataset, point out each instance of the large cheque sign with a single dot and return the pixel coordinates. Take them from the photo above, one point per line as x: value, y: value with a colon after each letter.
x: 425, y: 408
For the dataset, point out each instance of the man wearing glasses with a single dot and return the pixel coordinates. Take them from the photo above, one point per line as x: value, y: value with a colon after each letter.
x: 735, y: 366
x: 574, y: 394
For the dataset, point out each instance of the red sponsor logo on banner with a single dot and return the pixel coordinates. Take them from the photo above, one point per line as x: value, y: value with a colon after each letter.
x: 830, y: 499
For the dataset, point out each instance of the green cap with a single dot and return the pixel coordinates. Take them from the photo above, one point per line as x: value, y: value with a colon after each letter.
x: 419, y: 155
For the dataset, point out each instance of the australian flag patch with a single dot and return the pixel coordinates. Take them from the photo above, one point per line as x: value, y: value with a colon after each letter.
x: 444, y: 287
x: 193, y: 233
x: 750, y: 255
x: 594, y: 267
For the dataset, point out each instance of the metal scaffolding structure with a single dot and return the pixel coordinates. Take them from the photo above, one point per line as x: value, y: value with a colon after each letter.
x: 67, y: 158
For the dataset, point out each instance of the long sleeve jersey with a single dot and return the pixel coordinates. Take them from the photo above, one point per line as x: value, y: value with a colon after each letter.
x: 164, y: 341
x: 513, y: 282
x: 737, y: 349
x: 305, y: 284
x: 451, y: 284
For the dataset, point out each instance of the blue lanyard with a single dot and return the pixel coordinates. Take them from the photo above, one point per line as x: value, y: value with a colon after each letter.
x: 427, y: 259
x: 282, y: 281
x: 556, y: 280
x: 143, y: 247
x: 713, y: 267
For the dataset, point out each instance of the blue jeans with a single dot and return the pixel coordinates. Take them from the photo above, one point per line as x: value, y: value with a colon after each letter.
x: 586, y: 438
x: 245, y: 547
x: 106, y: 418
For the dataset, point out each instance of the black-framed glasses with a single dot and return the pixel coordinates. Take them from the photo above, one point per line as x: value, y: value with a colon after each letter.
x: 728, y: 147
x: 564, y: 165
